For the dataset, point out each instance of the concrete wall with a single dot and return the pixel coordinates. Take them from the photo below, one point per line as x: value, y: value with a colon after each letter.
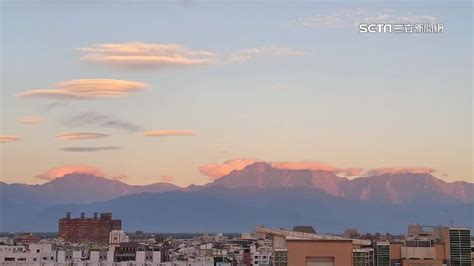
x: 395, y: 251
x: 418, y: 252
x: 299, y: 250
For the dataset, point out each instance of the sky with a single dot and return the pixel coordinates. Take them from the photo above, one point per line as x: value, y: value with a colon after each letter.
x: 185, y: 92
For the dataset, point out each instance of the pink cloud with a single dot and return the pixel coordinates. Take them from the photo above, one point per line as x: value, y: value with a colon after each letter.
x: 87, y: 88
x: 61, y: 171
x: 148, y: 55
x: 8, y: 138
x: 400, y: 170
x: 31, y: 120
x: 80, y: 136
x: 167, y: 178
x: 215, y: 171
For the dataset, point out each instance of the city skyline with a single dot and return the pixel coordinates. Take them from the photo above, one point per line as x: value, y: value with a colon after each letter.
x: 186, y: 93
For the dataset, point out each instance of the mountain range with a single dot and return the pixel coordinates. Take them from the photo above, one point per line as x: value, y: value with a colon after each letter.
x: 259, y: 194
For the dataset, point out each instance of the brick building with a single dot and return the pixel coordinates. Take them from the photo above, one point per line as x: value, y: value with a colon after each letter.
x: 95, y: 229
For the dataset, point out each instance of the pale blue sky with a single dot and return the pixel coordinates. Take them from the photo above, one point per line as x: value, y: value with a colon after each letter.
x: 352, y: 100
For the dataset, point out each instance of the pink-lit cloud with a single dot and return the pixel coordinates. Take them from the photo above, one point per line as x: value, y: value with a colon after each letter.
x: 80, y: 136
x: 61, y: 171
x: 31, y: 120
x: 87, y: 88
x: 8, y: 138
x: 167, y: 178
x: 145, y: 55
x: 218, y: 170
x: 400, y: 170
x: 163, y: 133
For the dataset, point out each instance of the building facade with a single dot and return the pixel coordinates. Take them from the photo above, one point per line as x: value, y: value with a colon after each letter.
x: 95, y: 229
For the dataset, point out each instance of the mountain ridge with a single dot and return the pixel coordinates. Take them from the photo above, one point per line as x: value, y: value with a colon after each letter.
x: 257, y: 194
x: 395, y: 188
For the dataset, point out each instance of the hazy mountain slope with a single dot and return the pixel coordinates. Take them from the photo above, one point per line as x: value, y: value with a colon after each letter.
x: 394, y: 188
x: 77, y: 188
x: 204, y: 211
x: 258, y: 194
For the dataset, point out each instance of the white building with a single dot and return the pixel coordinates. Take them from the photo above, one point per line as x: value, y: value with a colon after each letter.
x: 35, y: 254
x: 261, y: 257
x: 47, y: 255
x: 117, y: 237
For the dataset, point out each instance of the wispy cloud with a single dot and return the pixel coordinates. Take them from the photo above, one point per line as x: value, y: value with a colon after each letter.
x: 139, y: 55
x: 401, y: 170
x: 8, y: 138
x: 167, y: 178
x: 91, y: 118
x: 80, y: 136
x: 145, y: 55
x: 250, y: 53
x: 61, y: 171
x: 217, y: 170
x: 87, y: 88
x: 90, y: 149
x: 31, y: 120
x: 163, y: 133
x: 354, y: 17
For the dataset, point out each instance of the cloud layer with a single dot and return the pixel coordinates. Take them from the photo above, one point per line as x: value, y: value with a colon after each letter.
x: 167, y: 178
x: 138, y: 54
x: 80, y: 136
x: 163, y: 133
x: 354, y: 17
x: 90, y: 149
x: 159, y: 56
x: 217, y: 170
x: 87, y: 88
x: 9, y: 138
x: 56, y: 172
x: 31, y: 120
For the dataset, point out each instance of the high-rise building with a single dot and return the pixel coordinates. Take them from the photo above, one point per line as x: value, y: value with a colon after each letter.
x: 84, y: 229
x: 382, y: 250
x: 460, y: 246
x: 433, y: 245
